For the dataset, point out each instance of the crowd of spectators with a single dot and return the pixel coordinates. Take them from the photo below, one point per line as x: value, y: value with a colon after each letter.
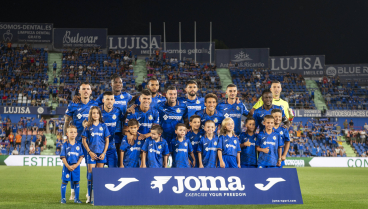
x: 339, y: 96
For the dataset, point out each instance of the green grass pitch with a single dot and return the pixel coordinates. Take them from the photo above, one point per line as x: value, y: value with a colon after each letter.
x: 39, y: 187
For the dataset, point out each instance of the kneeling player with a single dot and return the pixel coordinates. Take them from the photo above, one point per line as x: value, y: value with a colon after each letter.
x: 228, y: 148
x: 71, y: 155
x: 180, y: 147
x: 269, y: 144
x: 131, y: 149
x: 95, y: 139
x: 284, y: 133
x: 155, y: 150
x: 248, y: 155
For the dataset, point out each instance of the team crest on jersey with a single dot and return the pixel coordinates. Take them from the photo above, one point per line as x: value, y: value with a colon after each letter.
x: 215, y: 143
x: 274, y: 137
x: 114, y: 116
x: 197, y: 102
x: 234, y: 141
x: 150, y: 117
x: 178, y: 110
x: 77, y: 148
x: 67, y: 176
x: 215, y: 120
x: 158, y: 101
x: 237, y: 108
x: 121, y: 97
x: 281, y: 132
x: 185, y: 144
x: 139, y: 143
x: 101, y: 129
x: 159, y: 146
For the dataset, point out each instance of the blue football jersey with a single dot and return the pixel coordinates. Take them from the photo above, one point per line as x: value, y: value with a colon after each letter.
x: 217, y: 117
x: 79, y: 112
x: 193, y: 105
x: 71, y: 153
x: 248, y: 155
x: 284, y: 133
x: 131, y: 152
x: 121, y: 102
x: 208, y: 148
x: 110, y: 120
x: 194, y: 140
x: 155, y: 101
x: 229, y: 145
x: 170, y: 116
x: 273, y: 141
x: 155, y: 152
x: 179, y: 151
x: 145, y: 119
x: 235, y: 112
x: 96, y: 136
x: 259, y: 114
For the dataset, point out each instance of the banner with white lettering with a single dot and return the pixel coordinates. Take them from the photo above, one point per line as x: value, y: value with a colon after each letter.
x: 80, y: 37
x: 26, y: 32
x: 347, y: 113
x: 245, y: 58
x: 138, y: 44
x: 203, y: 51
x: 306, y: 65
x: 197, y: 186
x: 33, y: 160
x: 24, y: 110
x: 302, y: 113
x: 348, y: 70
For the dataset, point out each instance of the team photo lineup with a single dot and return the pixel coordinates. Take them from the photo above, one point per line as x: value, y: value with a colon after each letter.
x: 194, y: 132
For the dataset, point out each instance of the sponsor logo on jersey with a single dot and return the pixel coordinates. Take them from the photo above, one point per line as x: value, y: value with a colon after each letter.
x: 96, y: 134
x: 230, y: 145
x: 181, y: 150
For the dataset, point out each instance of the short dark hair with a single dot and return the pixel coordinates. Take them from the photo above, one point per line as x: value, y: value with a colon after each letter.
x: 115, y: 76
x: 231, y: 85
x: 108, y: 93
x: 276, y: 111
x: 194, y: 117
x: 210, y: 95
x: 146, y: 92
x: 191, y: 82
x: 84, y: 83
x: 152, y: 79
x: 268, y: 117
x: 157, y: 128
x: 249, y: 119
x: 170, y: 88
x: 275, y: 81
x: 180, y: 125
x: 133, y: 122
x: 266, y: 91
x: 209, y: 121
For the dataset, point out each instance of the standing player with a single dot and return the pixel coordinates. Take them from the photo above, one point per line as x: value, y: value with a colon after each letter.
x: 111, y: 115
x: 71, y: 155
x: 248, y: 155
x: 180, y: 148
x: 145, y: 114
x: 194, y: 103
x: 276, y: 100
x: 269, y: 144
x: 131, y: 149
x: 284, y: 133
x: 95, y: 141
x: 228, y: 146
x: 210, y: 113
x: 207, y: 148
x: 231, y: 109
x: 153, y: 86
x: 195, y: 135
x: 77, y: 113
x: 155, y: 150
x: 171, y: 113
x: 266, y: 109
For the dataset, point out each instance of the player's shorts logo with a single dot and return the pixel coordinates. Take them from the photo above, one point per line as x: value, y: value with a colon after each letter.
x: 178, y: 110
x: 150, y: 117
x: 114, y: 117
x: 197, y: 102
x: 77, y: 148
x: 67, y: 176
x: 101, y: 129
x: 121, y: 97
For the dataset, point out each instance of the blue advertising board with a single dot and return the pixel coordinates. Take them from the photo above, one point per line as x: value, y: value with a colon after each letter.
x: 197, y: 186
x: 80, y: 37
x: 26, y: 32
x: 306, y: 65
x: 24, y: 110
x: 245, y: 58
x: 138, y: 44
x: 203, y: 51
x: 348, y: 70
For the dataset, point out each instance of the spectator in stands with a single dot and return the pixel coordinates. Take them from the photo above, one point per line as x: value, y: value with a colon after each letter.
x: 366, y: 126
x: 291, y: 151
x: 351, y: 124
x: 54, y: 67
x: 307, y: 151
x: 51, y: 126
x: 345, y: 124
x: 57, y: 152
x: 301, y: 148
x: 324, y: 154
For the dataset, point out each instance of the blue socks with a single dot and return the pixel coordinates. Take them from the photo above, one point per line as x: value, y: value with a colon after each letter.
x: 89, y: 177
x: 76, y: 190
x: 63, y: 189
